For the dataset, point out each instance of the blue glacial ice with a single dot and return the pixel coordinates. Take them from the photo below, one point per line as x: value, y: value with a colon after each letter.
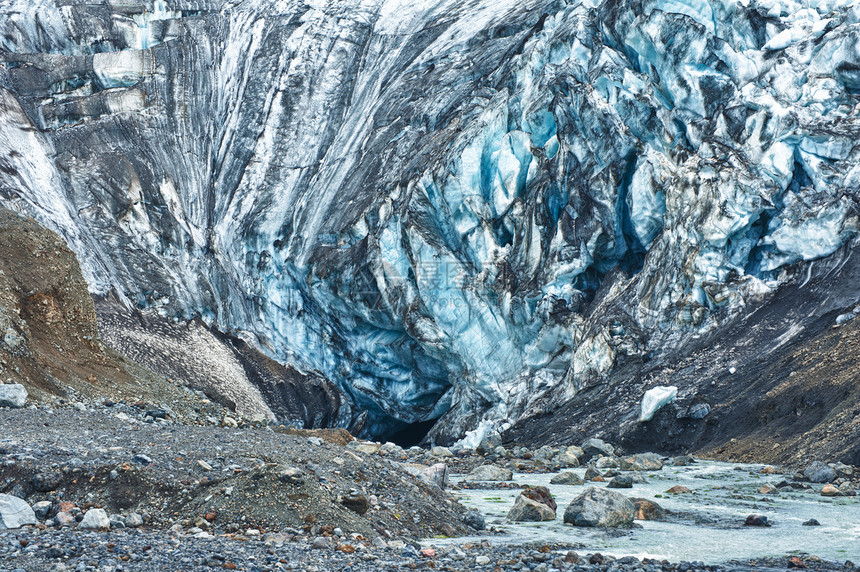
x: 441, y: 206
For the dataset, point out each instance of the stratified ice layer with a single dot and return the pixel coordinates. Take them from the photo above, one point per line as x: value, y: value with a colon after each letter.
x: 443, y: 206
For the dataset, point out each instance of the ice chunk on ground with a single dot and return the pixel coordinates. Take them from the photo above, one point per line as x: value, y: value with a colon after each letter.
x: 654, y: 399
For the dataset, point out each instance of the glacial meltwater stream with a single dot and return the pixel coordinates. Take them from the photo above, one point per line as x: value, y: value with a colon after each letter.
x: 704, y: 525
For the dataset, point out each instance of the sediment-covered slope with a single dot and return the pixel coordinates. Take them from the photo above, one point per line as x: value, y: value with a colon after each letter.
x: 53, y: 343
x: 776, y: 384
x: 448, y: 208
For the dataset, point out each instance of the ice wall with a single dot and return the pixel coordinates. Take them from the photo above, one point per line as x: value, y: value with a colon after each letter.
x: 447, y: 208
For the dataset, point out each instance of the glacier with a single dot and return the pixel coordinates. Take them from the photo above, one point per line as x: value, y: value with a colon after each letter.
x: 447, y: 208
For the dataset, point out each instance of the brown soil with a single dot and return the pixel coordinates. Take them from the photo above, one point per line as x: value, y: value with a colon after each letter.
x: 49, y: 339
x: 803, y: 406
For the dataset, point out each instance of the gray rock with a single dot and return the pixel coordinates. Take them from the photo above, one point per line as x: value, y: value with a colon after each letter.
x: 95, y: 519
x: 621, y: 482
x: 490, y: 441
x: 409, y: 551
x: 491, y: 473
x: 570, y: 456
x: 133, y: 520
x: 607, y: 463
x: 818, y: 472
x: 699, y: 411
x: 847, y: 489
x: 591, y: 473
x: 595, y: 447
x: 566, y: 478
x: 682, y: 461
x: 599, y: 507
x: 436, y: 474
x: 42, y: 509
x: 528, y: 510
x: 641, y: 462
x: 474, y: 519
x: 441, y: 452
x: 13, y: 395
x: 843, y: 470
x: 545, y: 453
x: 291, y: 475
x: 15, y: 512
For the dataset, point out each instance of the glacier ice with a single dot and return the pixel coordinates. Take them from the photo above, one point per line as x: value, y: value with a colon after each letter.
x: 654, y: 399
x: 447, y: 208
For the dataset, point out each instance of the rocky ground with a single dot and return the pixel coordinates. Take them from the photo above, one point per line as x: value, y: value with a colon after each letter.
x: 216, y: 479
x: 256, y: 496
x: 148, y: 551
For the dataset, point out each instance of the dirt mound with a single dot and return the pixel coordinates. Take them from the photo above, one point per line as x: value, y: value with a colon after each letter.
x: 220, y: 479
x: 49, y: 336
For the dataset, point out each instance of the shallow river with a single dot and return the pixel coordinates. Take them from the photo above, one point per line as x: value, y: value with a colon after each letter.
x: 706, y: 525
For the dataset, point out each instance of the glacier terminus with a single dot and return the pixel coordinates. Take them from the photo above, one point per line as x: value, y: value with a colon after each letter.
x: 456, y: 211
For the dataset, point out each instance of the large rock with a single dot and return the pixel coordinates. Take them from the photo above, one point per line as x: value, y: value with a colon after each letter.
x: 490, y: 442
x: 490, y: 473
x: 436, y: 474
x: 595, y: 447
x: 641, y: 462
x: 570, y: 456
x: 647, y: 510
x: 474, y: 519
x: 541, y: 495
x: 95, y: 519
x: 757, y: 520
x: 42, y: 509
x: 366, y: 447
x: 829, y: 490
x: 528, y: 510
x: 591, y: 473
x: 600, y: 507
x: 818, y: 472
x: 13, y: 395
x: 607, y: 462
x: 441, y: 452
x: 621, y: 482
x: 566, y: 478
x: 15, y: 512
